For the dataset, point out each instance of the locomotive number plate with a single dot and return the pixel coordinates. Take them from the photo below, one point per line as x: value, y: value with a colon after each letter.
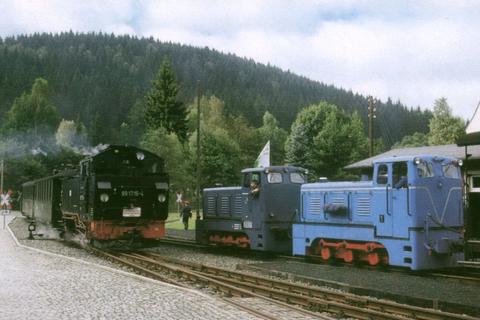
x: 132, y: 212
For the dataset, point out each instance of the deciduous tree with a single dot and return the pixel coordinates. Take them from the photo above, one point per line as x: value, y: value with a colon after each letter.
x: 270, y: 130
x: 33, y: 112
x: 444, y: 128
x: 417, y: 139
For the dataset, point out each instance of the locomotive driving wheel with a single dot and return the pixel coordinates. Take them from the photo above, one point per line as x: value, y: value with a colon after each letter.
x: 326, y: 254
x: 374, y: 258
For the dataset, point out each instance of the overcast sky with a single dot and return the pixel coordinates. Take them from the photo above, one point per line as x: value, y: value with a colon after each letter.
x: 414, y: 51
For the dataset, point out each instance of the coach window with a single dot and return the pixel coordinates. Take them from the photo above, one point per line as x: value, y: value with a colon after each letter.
x: 382, y: 175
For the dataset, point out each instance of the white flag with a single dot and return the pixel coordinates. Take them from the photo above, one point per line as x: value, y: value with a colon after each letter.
x: 263, y: 159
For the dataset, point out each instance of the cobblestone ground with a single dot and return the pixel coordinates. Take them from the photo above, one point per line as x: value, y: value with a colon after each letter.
x: 41, y: 286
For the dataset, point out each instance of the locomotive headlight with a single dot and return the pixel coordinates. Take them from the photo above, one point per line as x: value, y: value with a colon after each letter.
x: 104, y: 197
x: 460, y: 162
x: 140, y: 156
x: 417, y: 161
x: 162, y: 197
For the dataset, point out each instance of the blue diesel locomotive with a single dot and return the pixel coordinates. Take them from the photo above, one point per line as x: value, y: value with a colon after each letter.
x: 409, y: 215
x: 257, y: 215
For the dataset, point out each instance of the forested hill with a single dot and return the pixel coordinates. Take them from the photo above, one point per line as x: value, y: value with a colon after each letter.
x: 102, y: 76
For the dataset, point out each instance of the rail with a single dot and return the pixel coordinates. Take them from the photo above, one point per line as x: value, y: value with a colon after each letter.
x: 282, y: 292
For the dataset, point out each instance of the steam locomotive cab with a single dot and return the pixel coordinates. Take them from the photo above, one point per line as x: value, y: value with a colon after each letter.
x: 410, y: 215
x: 120, y: 193
x: 256, y: 215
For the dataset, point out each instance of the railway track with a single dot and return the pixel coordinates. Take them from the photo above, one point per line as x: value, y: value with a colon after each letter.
x: 182, y: 242
x: 466, y: 272
x: 297, y: 298
x: 157, y: 270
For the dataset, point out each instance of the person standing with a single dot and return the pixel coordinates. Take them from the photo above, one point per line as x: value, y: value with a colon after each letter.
x: 186, y: 213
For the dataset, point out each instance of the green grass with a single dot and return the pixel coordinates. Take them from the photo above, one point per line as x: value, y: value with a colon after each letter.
x: 174, y: 221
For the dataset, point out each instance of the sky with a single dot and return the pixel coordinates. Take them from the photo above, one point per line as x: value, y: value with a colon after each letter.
x: 412, y: 51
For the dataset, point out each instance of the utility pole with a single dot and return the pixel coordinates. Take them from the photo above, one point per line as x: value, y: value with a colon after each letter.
x: 371, y: 115
x: 198, y: 151
x: 1, y: 178
x: 1, y: 191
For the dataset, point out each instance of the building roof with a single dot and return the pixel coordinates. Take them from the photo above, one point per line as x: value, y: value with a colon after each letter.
x: 451, y: 150
x: 274, y: 168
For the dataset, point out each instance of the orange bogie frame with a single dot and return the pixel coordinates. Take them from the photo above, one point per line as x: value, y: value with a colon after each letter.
x: 110, y: 230
x: 240, y: 241
x: 371, y: 252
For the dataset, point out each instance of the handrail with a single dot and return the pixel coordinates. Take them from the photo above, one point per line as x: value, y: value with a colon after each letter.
x: 408, y: 200
x: 324, y: 203
x: 349, y: 213
x: 386, y: 192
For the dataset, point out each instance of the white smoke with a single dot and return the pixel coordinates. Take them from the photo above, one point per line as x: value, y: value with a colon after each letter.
x: 37, y: 151
x: 46, y: 232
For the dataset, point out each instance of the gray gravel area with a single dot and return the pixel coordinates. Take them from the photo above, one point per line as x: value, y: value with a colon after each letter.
x: 42, y: 286
x: 182, y: 234
x: 51, y: 242
x: 204, y: 257
x: 398, y: 283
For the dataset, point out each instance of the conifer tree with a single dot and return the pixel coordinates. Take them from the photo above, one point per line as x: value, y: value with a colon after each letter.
x: 163, y: 109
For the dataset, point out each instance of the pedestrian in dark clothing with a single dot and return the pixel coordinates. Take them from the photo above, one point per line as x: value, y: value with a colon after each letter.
x: 186, y: 213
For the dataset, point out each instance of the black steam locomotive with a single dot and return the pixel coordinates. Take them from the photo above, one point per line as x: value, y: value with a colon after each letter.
x: 120, y: 193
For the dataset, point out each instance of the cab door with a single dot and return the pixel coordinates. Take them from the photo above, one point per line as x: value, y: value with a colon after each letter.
x: 254, y: 199
x: 84, y: 188
x: 400, y: 200
x: 382, y: 200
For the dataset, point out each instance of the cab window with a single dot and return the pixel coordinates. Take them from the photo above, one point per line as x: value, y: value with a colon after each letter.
x: 274, y: 177
x: 400, y: 175
x: 425, y: 170
x: 248, y: 178
x: 84, y: 169
x: 297, y: 177
x: 382, y: 176
x: 451, y: 171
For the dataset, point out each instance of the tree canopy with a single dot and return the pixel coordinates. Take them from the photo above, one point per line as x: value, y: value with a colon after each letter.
x: 324, y: 139
x: 444, y: 128
x: 33, y: 112
x: 101, y: 77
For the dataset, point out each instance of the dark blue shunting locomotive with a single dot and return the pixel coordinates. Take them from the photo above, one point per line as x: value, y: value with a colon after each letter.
x: 410, y: 215
x: 257, y: 215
